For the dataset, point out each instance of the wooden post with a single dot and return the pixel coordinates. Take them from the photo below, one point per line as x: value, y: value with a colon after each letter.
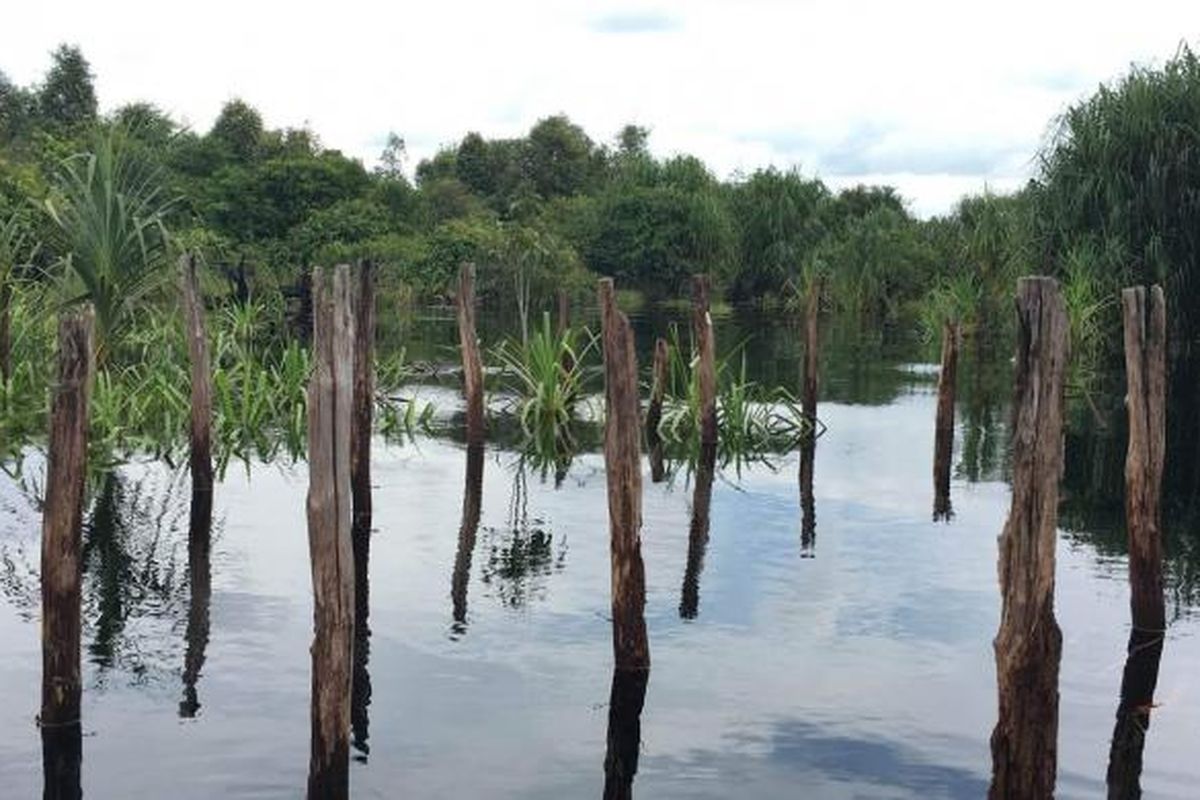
x: 943, y: 442
x: 364, y: 395
x: 1145, y: 323
x: 469, y: 343
x: 812, y: 353
x: 808, y: 406
x: 625, y: 702
x: 61, y: 566
x: 564, y: 311
x: 1029, y: 643
x: 658, y: 389
x: 330, y: 401
x: 622, y: 458
x: 469, y: 526
x: 702, y: 335
x: 62, y: 520
x: 200, y: 459
x: 1146, y: 370
x: 689, y: 601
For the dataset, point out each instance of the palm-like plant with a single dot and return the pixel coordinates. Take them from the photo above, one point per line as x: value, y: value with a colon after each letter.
x: 109, y: 207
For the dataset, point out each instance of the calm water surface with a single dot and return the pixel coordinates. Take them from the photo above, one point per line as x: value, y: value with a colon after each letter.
x: 858, y: 668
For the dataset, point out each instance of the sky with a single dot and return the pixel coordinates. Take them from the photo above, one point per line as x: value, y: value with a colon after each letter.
x: 939, y: 99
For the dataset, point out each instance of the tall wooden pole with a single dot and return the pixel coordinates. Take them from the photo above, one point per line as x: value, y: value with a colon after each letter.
x: 808, y: 405
x: 943, y: 441
x: 364, y: 394
x: 658, y: 389
x: 689, y: 600
x: 61, y: 566
x: 330, y: 513
x: 622, y: 458
x: 1029, y: 643
x: 62, y: 520
x: 1145, y: 324
x: 702, y: 336
x: 200, y: 457
x: 469, y: 344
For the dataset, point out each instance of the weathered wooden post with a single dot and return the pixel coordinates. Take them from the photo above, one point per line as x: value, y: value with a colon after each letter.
x: 1145, y: 323
x: 808, y: 406
x: 200, y: 457
x: 702, y: 336
x: 330, y: 513
x: 622, y: 458
x: 943, y: 442
x: 625, y: 702
x: 464, y: 300
x: 658, y: 389
x: 363, y: 296
x: 364, y: 396
x: 1029, y: 643
x: 61, y: 567
x: 689, y: 600
x: 468, y: 528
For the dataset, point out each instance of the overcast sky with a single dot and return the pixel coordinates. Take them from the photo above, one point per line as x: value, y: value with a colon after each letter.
x: 936, y: 98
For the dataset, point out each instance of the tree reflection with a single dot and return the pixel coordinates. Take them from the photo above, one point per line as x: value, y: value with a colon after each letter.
x: 467, y: 529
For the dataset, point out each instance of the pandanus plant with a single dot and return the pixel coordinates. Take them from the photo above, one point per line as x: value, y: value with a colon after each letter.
x: 109, y: 207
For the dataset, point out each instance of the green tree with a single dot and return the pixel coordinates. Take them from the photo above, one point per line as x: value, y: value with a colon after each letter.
x: 67, y: 98
x: 559, y: 157
x: 239, y: 130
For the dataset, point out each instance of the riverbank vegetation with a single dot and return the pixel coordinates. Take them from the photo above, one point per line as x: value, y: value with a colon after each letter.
x: 96, y: 207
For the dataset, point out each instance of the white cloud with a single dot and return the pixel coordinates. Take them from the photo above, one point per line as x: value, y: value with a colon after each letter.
x: 954, y: 95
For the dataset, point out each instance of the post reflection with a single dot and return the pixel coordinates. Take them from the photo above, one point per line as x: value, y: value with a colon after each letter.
x: 689, y: 602
x: 62, y: 755
x: 625, y: 704
x: 360, y: 681
x: 808, y: 512
x: 1133, y: 714
x: 472, y: 501
x: 200, y: 583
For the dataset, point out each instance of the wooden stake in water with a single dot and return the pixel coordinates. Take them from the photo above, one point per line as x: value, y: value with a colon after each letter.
x: 625, y: 701
x: 364, y: 395
x: 689, y: 599
x: 200, y: 458
x: 658, y: 389
x: 1029, y: 643
x: 1145, y: 323
x: 467, y: 530
x: 808, y: 405
x: 62, y: 520
x: 705, y: 344
x: 622, y: 459
x: 943, y: 442
x: 330, y: 512
x: 472, y: 364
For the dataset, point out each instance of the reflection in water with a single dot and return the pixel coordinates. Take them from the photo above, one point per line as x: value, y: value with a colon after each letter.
x: 689, y: 601
x: 808, y: 509
x: 131, y: 570
x: 360, y: 686
x: 522, y: 554
x: 62, y: 753
x: 472, y: 500
x: 1133, y: 714
x: 624, y: 732
x: 200, y: 582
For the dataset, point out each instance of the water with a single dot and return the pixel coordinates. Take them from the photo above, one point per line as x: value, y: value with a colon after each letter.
x: 858, y: 668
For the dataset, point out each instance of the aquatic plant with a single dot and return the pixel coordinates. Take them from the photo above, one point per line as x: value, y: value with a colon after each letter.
x: 548, y: 370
